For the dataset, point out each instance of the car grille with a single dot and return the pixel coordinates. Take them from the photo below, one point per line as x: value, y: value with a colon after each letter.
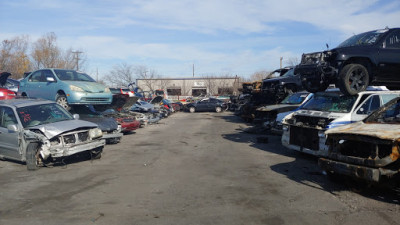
x: 72, y: 138
x: 89, y: 99
x: 304, y: 137
x: 311, y: 121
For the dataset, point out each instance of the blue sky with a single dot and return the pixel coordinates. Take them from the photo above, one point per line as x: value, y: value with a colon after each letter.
x: 235, y: 37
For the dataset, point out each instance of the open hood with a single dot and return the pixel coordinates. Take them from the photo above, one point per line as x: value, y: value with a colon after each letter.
x: 156, y: 100
x: 53, y: 129
x: 3, y: 78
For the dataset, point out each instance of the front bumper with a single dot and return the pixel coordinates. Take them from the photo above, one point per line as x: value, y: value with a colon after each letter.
x: 57, y: 152
x: 75, y: 98
x: 356, y: 171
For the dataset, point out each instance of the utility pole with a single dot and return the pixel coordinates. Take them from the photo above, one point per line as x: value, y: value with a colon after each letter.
x: 281, y: 61
x: 193, y: 69
x: 77, y: 58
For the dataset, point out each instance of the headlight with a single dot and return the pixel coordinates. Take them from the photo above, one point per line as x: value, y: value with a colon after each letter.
x: 107, y: 90
x: 95, y: 133
x: 75, y: 88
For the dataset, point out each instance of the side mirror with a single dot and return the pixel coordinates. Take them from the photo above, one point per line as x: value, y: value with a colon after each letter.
x: 76, y: 116
x: 12, y: 128
x: 50, y: 79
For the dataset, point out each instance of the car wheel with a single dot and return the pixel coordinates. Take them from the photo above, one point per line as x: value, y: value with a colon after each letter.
x: 32, y: 156
x: 62, y: 100
x: 218, y: 109
x: 192, y: 109
x: 353, y: 78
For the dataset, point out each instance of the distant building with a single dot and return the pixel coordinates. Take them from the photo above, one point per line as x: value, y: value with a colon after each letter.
x: 178, y: 88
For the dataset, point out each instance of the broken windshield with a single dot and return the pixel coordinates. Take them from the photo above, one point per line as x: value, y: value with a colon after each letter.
x: 42, y: 114
x: 330, y: 102
x: 367, y: 38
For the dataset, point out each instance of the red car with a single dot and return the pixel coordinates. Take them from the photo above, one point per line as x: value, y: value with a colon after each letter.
x: 4, y: 92
x: 128, y: 122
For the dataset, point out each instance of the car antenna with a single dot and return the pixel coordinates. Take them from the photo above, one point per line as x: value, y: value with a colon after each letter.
x: 327, y: 46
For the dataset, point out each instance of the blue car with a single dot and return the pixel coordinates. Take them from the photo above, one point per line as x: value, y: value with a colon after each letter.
x: 66, y: 87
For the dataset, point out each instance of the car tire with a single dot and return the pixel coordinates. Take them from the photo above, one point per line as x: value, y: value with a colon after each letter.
x: 192, y: 109
x: 353, y: 79
x: 218, y: 109
x: 32, y: 162
x: 61, y: 99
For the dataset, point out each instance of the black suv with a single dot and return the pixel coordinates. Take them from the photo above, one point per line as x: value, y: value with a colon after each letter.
x: 280, y: 87
x: 370, y: 58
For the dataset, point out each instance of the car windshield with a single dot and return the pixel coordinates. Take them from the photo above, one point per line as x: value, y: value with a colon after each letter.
x: 72, y: 75
x: 295, y: 98
x: 330, y: 102
x: 42, y: 114
x: 389, y: 114
x: 367, y: 38
x: 289, y: 73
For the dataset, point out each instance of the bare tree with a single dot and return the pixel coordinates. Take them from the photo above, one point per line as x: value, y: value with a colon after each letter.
x: 292, y: 61
x: 148, y: 76
x: 259, y: 75
x: 121, y: 75
x: 13, y: 56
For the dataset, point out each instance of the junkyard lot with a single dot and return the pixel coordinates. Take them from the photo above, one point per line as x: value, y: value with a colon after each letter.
x: 190, y: 169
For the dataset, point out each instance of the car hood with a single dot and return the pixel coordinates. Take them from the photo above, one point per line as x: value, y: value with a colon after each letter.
x: 123, y: 101
x: 51, y: 130
x: 278, y: 108
x: 104, y: 123
x: 88, y: 86
x: 377, y: 130
x: 3, y: 78
x: 156, y: 100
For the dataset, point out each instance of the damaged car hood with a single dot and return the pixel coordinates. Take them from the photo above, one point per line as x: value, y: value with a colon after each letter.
x: 104, y: 123
x: 3, y: 78
x: 53, y: 129
x: 382, y: 131
x: 156, y: 100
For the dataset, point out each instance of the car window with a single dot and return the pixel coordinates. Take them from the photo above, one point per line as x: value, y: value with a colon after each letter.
x: 370, y: 105
x: 7, y: 116
x: 48, y: 73
x: 36, y: 77
x: 295, y: 98
x: 390, y: 115
x: 331, y: 103
x: 393, y: 40
x: 387, y: 98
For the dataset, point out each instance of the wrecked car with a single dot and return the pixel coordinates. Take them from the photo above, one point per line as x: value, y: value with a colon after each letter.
x: 280, y: 87
x: 267, y: 115
x: 370, y: 58
x: 5, y: 91
x: 110, y: 128
x: 115, y: 110
x: 367, y: 150
x: 41, y: 132
x: 304, y: 129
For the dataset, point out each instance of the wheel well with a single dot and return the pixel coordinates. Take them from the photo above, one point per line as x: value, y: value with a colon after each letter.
x: 24, y: 94
x: 366, y: 62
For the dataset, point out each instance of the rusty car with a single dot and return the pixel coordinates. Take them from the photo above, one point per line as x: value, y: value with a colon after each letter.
x: 366, y: 150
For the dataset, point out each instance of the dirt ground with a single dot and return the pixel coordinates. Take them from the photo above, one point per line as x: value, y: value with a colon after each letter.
x: 196, y: 168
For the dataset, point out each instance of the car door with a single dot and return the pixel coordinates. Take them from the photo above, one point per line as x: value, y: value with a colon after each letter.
x: 202, y: 105
x: 32, y: 85
x: 389, y: 58
x: 9, y: 142
x: 370, y: 104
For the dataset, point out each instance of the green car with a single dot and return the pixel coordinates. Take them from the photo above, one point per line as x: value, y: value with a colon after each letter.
x: 66, y: 87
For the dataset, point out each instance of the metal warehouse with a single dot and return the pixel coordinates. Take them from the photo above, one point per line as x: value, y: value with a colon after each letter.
x: 182, y: 87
